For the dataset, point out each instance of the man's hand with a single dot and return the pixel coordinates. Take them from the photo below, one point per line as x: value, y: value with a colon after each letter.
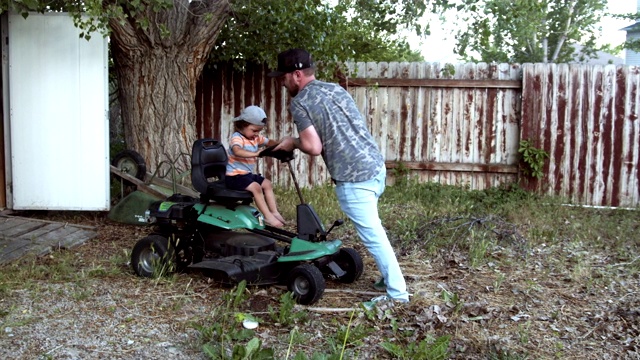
x: 288, y: 144
x: 308, y: 142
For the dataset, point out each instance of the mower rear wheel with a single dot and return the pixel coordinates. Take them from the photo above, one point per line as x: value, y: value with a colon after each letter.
x: 152, y: 257
x: 306, y: 283
x: 350, y: 261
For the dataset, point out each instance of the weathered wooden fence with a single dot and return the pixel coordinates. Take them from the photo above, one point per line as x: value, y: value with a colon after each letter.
x: 455, y: 126
x: 462, y: 125
x: 460, y: 128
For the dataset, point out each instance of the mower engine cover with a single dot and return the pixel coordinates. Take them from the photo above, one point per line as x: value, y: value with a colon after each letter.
x: 176, y: 207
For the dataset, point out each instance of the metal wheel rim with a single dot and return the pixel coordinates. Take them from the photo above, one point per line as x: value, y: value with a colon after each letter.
x: 127, y: 165
x: 301, y: 285
x: 147, y: 260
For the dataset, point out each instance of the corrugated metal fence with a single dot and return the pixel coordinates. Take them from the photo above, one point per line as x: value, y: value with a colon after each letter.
x: 461, y: 125
x: 586, y: 118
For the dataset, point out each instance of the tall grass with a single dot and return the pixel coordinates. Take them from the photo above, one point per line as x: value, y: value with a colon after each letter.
x: 432, y: 217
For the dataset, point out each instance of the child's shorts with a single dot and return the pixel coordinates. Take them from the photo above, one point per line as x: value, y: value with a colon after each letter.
x: 241, y: 182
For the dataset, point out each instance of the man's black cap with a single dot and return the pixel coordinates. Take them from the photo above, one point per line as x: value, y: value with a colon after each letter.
x: 292, y: 60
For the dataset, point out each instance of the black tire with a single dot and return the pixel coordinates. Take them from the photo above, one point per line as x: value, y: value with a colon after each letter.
x: 350, y: 261
x: 152, y: 256
x: 130, y: 162
x: 306, y: 283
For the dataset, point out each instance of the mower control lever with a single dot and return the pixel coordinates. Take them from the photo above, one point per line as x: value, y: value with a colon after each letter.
x: 284, y: 156
x: 335, y: 223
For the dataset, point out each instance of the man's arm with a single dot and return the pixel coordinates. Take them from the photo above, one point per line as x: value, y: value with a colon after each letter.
x: 308, y: 142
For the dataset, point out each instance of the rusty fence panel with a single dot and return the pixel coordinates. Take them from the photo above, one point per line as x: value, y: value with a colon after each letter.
x: 586, y: 118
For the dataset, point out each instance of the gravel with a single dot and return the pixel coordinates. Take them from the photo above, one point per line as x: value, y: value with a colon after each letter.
x: 57, y: 321
x: 86, y: 303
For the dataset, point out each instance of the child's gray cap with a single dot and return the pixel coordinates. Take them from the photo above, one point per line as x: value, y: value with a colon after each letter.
x: 253, y: 115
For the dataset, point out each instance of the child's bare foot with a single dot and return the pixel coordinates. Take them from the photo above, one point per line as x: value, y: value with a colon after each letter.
x: 274, y: 222
x: 279, y: 217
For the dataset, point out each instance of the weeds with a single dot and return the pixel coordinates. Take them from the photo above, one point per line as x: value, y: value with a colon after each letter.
x: 524, y: 333
x: 284, y: 314
x: 429, y: 348
x: 478, y: 248
x: 452, y: 300
x: 532, y: 159
x: 497, y: 283
x: 348, y: 336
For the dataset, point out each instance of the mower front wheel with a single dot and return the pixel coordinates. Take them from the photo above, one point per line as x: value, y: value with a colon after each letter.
x: 350, y: 261
x: 152, y: 257
x: 306, y: 283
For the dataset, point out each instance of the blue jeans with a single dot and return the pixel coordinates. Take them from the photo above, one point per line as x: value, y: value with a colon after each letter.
x: 359, y: 200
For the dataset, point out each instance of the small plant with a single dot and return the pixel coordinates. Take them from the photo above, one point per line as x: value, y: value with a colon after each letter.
x: 533, y: 159
x: 82, y: 292
x: 429, y: 348
x: 524, y: 332
x: 452, y: 300
x: 401, y: 173
x: 252, y: 350
x: 506, y: 355
x: 46, y: 356
x: 497, y: 283
x: 348, y: 336
x: 285, y: 315
x: 478, y: 248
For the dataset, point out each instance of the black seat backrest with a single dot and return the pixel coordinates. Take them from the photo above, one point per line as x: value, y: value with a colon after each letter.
x: 208, y: 163
x: 208, y: 167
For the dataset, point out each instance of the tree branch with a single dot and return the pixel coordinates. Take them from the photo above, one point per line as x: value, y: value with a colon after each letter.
x: 563, y: 37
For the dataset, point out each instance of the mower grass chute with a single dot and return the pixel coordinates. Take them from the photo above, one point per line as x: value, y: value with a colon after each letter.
x: 225, y: 238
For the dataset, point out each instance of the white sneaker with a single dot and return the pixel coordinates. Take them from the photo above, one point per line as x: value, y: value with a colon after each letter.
x: 382, y: 300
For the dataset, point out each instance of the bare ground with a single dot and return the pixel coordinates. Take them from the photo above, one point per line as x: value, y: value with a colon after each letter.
x: 546, y: 303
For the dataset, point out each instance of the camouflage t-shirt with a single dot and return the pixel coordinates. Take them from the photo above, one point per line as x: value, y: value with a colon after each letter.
x: 348, y: 148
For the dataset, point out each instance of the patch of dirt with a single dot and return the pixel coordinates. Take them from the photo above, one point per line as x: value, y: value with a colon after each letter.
x: 544, y: 306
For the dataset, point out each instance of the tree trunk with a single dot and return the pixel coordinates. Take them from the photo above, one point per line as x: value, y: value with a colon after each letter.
x: 158, y: 106
x: 157, y: 72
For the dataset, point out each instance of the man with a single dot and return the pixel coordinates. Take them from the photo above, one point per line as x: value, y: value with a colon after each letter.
x: 330, y: 124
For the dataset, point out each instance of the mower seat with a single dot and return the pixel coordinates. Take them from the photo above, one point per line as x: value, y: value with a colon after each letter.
x: 208, y: 167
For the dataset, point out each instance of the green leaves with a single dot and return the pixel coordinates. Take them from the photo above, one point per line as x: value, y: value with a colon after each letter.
x: 94, y: 15
x: 533, y: 159
x: 359, y: 30
x: 256, y: 30
x: 429, y: 348
x: 528, y: 30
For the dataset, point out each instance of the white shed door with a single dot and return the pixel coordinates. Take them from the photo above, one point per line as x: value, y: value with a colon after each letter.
x: 58, y: 103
